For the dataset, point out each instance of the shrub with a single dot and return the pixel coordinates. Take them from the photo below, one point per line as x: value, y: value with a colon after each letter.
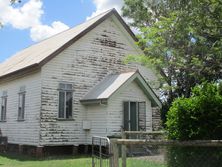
x: 194, y: 156
x: 197, y: 117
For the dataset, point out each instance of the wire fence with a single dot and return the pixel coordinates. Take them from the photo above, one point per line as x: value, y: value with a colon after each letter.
x: 146, y: 150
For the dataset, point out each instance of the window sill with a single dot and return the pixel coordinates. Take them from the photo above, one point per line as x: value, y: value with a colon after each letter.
x: 20, y: 120
x: 65, y: 119
x: 3, y: 121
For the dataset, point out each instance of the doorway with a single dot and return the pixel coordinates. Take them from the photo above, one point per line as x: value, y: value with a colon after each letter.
x: 134, y: 117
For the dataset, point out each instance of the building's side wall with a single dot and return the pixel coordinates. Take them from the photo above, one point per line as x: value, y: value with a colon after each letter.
x: 85, y: 63
x: 22, y: 132
x: 97, y: 116
x: 115, y: 107
x: 107, y: 120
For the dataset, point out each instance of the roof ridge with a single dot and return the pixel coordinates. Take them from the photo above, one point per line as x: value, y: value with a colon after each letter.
x: 110, y: 10
x: 107, y: 11
x: 40, y: 53
x: 126, y: 71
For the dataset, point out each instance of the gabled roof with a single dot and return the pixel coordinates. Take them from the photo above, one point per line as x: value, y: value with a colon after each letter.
x: 39, y: 54
x: 113, y: 82
x: 108, y: 86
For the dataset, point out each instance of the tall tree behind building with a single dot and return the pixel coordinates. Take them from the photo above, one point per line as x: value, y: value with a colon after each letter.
x: 181, y: 39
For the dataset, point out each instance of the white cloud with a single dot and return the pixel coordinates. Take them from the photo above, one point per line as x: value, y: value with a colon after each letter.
x: 21, y: 18
x: 40, y: 32
x: 29, y: 16
x: 104, y: 5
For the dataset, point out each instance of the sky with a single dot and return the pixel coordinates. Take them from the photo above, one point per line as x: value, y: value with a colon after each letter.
x: 31, y: 21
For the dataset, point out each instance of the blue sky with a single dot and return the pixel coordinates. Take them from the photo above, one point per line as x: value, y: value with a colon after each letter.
x: 33, y: 20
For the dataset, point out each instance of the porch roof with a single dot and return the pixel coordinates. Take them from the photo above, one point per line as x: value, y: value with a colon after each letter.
x: 113, y: 82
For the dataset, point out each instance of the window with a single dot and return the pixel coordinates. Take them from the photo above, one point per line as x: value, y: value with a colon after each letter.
x: 21, y: 103
x: 65, y: 101
x: 4, y: 106
x: 134, y: 116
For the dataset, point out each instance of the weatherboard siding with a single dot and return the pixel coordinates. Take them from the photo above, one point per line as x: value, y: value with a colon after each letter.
x: 22, y: 132
x: 107, y: 119
x: 84, y: 64
x: 133, y: 93
x: 97, y: 115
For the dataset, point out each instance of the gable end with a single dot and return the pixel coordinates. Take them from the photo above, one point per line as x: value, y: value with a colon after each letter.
x: 69, y: 43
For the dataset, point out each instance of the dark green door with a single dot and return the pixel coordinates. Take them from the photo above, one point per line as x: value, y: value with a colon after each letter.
x: 133, y: 116
x: 130, y: 116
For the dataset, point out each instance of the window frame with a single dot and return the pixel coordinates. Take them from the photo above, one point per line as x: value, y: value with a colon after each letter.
x: 21, y: 96
x: 137, y: 115
x: 142, y: 127
x: 68, y: 88
x: 4, y: 99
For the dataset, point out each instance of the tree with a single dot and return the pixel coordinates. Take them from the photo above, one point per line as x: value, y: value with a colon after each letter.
x: 197, y: 117
x: 15, y: 1
x: 181, y: 40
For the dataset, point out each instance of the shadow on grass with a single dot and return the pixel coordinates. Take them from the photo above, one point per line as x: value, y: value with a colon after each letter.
x: 19, y: 157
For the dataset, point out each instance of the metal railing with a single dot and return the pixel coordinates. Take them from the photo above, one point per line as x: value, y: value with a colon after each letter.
x: 101, y: 152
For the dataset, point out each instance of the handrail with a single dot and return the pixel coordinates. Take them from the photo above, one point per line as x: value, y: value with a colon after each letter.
x: 105, y: 138
x: 201, y: 143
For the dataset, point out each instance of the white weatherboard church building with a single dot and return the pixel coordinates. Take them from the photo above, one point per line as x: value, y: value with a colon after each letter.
x: 74, y: 85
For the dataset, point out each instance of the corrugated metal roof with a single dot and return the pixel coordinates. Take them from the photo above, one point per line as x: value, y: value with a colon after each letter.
x: 37, y: 53
x: 108, y: 86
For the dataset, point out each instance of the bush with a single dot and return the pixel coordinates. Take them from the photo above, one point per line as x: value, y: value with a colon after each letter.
x: 197, y: 117
x: 194, y: 156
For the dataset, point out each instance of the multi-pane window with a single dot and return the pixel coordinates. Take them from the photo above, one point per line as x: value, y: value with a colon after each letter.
x: 65, y: 101
x: 4, y: 106
x: 21, y: 103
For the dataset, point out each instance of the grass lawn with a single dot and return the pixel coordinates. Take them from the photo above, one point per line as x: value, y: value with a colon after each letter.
x: 10, y: 160
x: 143, y: 163
x: 13, y: 160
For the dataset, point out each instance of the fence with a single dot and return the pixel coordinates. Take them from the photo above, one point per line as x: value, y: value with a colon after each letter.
x: 101, y: 152
x: 143, y: 149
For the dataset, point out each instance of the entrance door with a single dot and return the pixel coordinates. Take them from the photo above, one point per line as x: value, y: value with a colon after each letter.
x: 134, y: 116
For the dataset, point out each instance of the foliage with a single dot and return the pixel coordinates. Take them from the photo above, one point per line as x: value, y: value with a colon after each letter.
x: 144, y: 12
x: 181, y: 39
x: 197, y: 117
x: 194, y: 156
x: 15, y: 1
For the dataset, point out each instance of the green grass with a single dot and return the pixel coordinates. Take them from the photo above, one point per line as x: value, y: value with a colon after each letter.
x: 10, y: 160
x: 13, y: 160
x: 143, y: 163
